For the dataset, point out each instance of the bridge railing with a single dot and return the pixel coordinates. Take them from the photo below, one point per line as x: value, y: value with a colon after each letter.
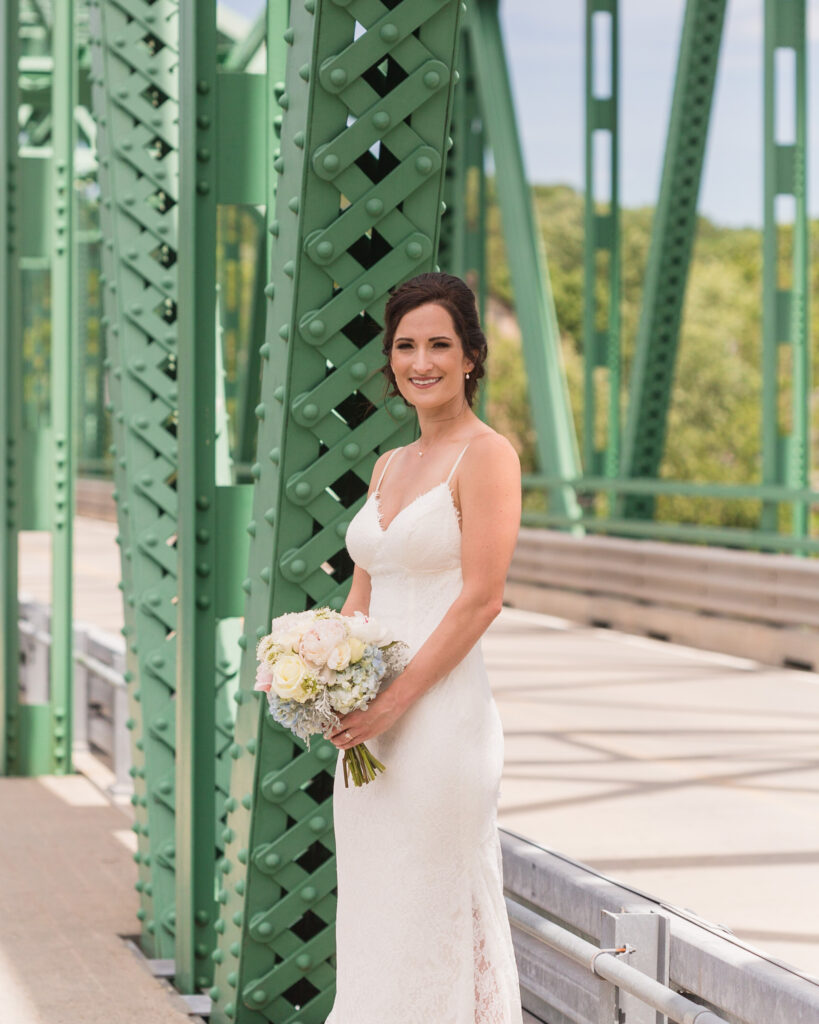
x: 100, y: 693
x: 588, y: 487
x: 593, y: 951
x: 751, y: 604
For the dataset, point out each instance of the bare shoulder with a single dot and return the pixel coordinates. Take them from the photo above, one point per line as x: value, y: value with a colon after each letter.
x: 494, y: 457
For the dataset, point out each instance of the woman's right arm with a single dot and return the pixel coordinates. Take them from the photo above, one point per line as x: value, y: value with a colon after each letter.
x: 358, y: 600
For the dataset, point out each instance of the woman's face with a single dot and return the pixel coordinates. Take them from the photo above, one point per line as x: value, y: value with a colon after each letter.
x: 427, y: 358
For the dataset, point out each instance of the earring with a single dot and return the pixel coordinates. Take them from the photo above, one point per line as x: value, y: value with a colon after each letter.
x: 467, y: 376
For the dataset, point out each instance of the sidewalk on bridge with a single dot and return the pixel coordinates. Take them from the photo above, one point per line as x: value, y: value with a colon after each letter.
x: 66, y: 902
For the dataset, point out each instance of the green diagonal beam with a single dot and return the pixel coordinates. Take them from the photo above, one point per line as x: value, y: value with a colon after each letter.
x: 672, y: 240
x: 557, y: 447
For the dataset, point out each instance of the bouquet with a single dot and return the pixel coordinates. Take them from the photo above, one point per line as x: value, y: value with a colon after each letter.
x: 319, y: 664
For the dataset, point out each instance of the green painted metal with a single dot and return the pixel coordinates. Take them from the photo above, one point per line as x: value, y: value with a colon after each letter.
x: 672, y: 240
x: 557, y: 447
x: 322, y: 422
x: 114, y: 364
x: 63, y: 348
x: 10, y: 380
x: 136, y: 107
x: 601, y: 245
x: 785, y: 452
x: 196, y: 486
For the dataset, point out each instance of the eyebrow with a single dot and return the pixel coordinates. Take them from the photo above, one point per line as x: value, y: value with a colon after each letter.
x: 436, y: 337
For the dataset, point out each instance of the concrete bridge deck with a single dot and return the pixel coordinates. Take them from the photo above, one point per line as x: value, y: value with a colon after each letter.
x: 690, y: 775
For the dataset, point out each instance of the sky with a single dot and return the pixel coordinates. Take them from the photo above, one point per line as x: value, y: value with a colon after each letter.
x: 545, y: 48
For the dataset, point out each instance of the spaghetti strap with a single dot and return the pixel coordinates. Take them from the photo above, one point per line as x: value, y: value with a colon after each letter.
x: 384, y: 470
x: 456, y: 462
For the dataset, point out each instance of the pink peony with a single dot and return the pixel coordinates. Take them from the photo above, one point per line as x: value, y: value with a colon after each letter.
x: 264, y: 677
x: 317, y: 643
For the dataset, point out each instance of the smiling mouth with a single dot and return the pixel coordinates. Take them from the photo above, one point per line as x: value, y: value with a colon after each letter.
x: 424, y: 382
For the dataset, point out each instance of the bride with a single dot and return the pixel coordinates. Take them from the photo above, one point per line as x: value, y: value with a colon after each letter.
x: 422, y: 935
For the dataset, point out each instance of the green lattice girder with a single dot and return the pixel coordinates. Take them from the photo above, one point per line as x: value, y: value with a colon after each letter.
x: 601, y: 326
x: 137, y: 113
x: 785, y: 453
x: 10, y: 380
x: 672, y: 239
x: 557, y: 448
x: 113, y: 364
x: 359, y: 208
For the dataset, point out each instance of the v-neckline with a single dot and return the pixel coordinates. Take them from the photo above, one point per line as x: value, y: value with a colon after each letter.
x: 376, y: 497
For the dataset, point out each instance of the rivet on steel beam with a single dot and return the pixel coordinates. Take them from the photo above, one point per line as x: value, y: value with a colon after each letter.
x: 250, y: 746
x: 302, y: 490
x: 298, y: 139
x: 270, y: 516
x: 341, y: 530
x: 251, y: 528
x: 202, y: 187
x: 351, y: 450
x: 247, y: 585
x: 432, y: 79
x: 414, y: 250
x: 317, y: 328
x: 233, y: 979
x: 423, y: 165
x: 389, y: 32
x: 203, y: 154
x: 203, y: 87
x: 274, y: 228
x: 289, y: 36
x: 310, y: 411
x: 203, y: 120
x: 304, y: 72
x: 259, y: 411
x: 293, y: 204
x: 290, y: 268
x: 310, y: 6
x: 283, y: 101
x: 264, y: 350
x: 374, y: 206
x: 284, y: 332
x: 235, y: 751
x: 278, y: 394
x: 325, y: 250
x: 256, y: 470
x: 381, y: 120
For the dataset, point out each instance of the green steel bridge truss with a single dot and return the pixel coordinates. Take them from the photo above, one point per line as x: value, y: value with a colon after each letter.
x: 242, y: 418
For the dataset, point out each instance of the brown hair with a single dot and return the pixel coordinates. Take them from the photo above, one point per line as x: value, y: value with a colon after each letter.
x: 453, y: 295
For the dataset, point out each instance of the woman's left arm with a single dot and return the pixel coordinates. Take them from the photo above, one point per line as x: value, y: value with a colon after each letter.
x: 490, y: 499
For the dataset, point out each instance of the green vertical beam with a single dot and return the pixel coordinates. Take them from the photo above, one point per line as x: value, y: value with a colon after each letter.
x: 10, y: 381
x: 359, y: 190
x: 195, y: 699
x: 113, y: 366
x: 601, y: 345
x: 63, y: 345
x: 551, y: 412
x: 137, y: 108
x: 672, y: 241
x: 785, y: 454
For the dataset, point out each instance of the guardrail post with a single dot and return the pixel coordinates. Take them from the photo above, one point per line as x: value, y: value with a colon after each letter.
x: 647, y: 938
x: 81, y: 709
x: 120, y: 740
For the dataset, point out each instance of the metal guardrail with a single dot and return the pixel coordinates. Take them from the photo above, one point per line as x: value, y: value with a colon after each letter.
x: 593, y: 951
x: 595, y: 578
x: 100, y: 694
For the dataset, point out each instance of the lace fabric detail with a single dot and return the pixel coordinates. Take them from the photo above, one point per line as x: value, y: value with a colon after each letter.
x: 422, y: 933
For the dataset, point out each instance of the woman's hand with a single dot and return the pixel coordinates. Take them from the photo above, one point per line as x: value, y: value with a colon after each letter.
x: 382, y: 712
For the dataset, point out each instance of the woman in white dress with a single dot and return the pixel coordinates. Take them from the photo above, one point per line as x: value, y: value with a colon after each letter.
x: 422, y: 935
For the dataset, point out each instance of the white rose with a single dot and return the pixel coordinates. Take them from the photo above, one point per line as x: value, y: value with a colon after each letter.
x: 340, y: 656
x: 289, y: 677
x: 363, y: 628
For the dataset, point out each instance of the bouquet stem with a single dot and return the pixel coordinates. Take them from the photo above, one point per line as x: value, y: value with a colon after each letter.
x: 362, y: 765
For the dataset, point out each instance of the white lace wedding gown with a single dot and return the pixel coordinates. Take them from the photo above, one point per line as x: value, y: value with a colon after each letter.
x: 422, y: 935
